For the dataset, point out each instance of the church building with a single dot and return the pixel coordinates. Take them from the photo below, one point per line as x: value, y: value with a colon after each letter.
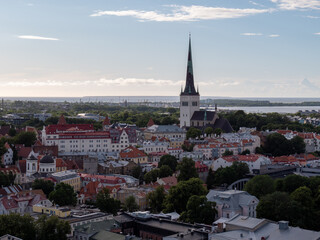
x: 190, y: 113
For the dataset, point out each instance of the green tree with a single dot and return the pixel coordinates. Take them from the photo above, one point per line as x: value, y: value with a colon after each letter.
x: 130, y: 204
x: 187, y: 170
x: 107, y: 204
x: 277, y: 145
x: 193, y: 133
x: 152, y: 175
x: 208, y: 131
x: 292, y: 182
x: 199, y: 210
x: 178, y: 195
x: 298, y: 145
x: 169, y: 160
x: 210, y: 179
x: 21, y: 226
x: 46, y: 186
x: 245, y: 152
x: 260, y: 186
x: 26, y: 138
x: 12, y: 132
x: 63, y: 195
x: 303, y: 195
x: 156, y: 199
x: 52, y: 228
x: 228, y: 175
x: 217, y: 131
x: 227, y: 153
x: 165, y: 171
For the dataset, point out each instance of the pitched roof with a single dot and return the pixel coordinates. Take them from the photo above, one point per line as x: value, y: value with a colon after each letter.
x: 24, y: 152
x: 203, y: 116
x: 132, y: 152
x: 62, y: 120
x: 106, y: 121
x: 150, y: 123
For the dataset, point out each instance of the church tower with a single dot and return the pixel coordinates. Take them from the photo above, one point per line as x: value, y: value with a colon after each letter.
x: 189, y: 97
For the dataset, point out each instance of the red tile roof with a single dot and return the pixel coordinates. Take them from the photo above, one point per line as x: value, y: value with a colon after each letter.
x: 60, y: 163
x: 150, y: 123
x: 102, y: 178
x: 54, y: 129
x: 62, y: 120
x: 243, y: 158
x: 106, y: 121
x: 131, y: 152
x: 23, y: 166
x: 24, y: 152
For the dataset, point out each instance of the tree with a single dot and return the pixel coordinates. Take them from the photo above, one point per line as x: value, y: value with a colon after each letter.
x: 187, y: 170
x: 21, y: 226
x: 303, y: 195
x: 277, y: 145
x: 217, y: 131
x: 26, y: 138
x: 210, y: 179
x: 12, y: 132
x: 169, y: 160
x: 130, y: 204
x: 208, y: 131
x: 298, y: 145
x: 107, y: 204
x: 199, y: 210
x: 228, y: 175
x: 260, y: 186
x: 179, y: 195
x: 63, y: 195
x: 227, y: 153
x: 292, y: 182
x: 165, y: 171
x: 156, y: 199
x: 46, y: 186
x: 152, y: 176
x: 193, y: 133
x: 52, y: 228
x: 245, y: 152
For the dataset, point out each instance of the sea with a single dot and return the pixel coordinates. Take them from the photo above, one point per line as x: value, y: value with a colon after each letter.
x: 171, y: 99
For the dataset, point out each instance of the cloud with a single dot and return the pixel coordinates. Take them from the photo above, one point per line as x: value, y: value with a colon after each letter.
x: 256, y: 4
x: 251, y: 34
x: 312, y: 17
x: 185, y: 13
x: 274, y: 35
x: 318, y: 33
x: 37, y: 38
x: 305, y: 82
x: 297, y: 4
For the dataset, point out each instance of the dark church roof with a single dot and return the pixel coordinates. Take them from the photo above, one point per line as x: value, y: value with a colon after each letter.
x: 47, y: 159
x: 203, y: 116
x: 189, y: 89
x: 223, y: 124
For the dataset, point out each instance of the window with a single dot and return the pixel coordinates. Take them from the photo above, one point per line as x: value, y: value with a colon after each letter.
x: 184, y: 104
x: 194, y: 103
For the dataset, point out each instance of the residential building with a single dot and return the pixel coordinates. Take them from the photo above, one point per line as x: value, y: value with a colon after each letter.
x: 242, y: 227
x: 233, y: 202
x: 155, y: 146
x: 116, y: 167
x: 61, y: 212
x: 105, y: 180
x: 254, y: 161
x: 7, y: 157
x: 133, y: 154
x: 140, y: 195
x: 195, y: 155
x: 164, y: 131
x: 68, y: 177
x: 175, y: 151
x: 22, y: 202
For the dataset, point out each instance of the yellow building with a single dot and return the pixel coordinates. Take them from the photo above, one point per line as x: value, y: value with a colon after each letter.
x: 68, y: 177
x: 133, y: 154
x: 59, y: 212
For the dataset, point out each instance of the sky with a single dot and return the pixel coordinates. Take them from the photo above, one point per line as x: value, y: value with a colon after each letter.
x: 240, y: 48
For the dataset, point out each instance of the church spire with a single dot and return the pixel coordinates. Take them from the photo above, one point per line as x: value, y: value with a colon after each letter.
x: 189, y: 88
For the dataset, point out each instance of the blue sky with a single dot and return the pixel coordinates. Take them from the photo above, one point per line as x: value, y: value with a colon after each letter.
x: 241, y: 48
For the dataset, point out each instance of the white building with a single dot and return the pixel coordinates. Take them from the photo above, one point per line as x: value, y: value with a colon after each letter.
x: 7, y: 157
x: 254, y: 161
x: 32, y: 164
x: 233, y: 202
x: 155, y: 146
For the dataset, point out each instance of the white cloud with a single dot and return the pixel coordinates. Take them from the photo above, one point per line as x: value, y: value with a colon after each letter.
x: 251, y: 34
x: 185, y: 13
x: 312, y: 17
x: 297, y: 4
x: 317, y: 33
x: 256, y: 4
x: 274, y: 35
x: 38, y: 38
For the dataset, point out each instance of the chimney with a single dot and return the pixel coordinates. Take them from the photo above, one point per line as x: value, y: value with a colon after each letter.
x: 220, y: 227
x: 283, y: 225
x: 216, y: 108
